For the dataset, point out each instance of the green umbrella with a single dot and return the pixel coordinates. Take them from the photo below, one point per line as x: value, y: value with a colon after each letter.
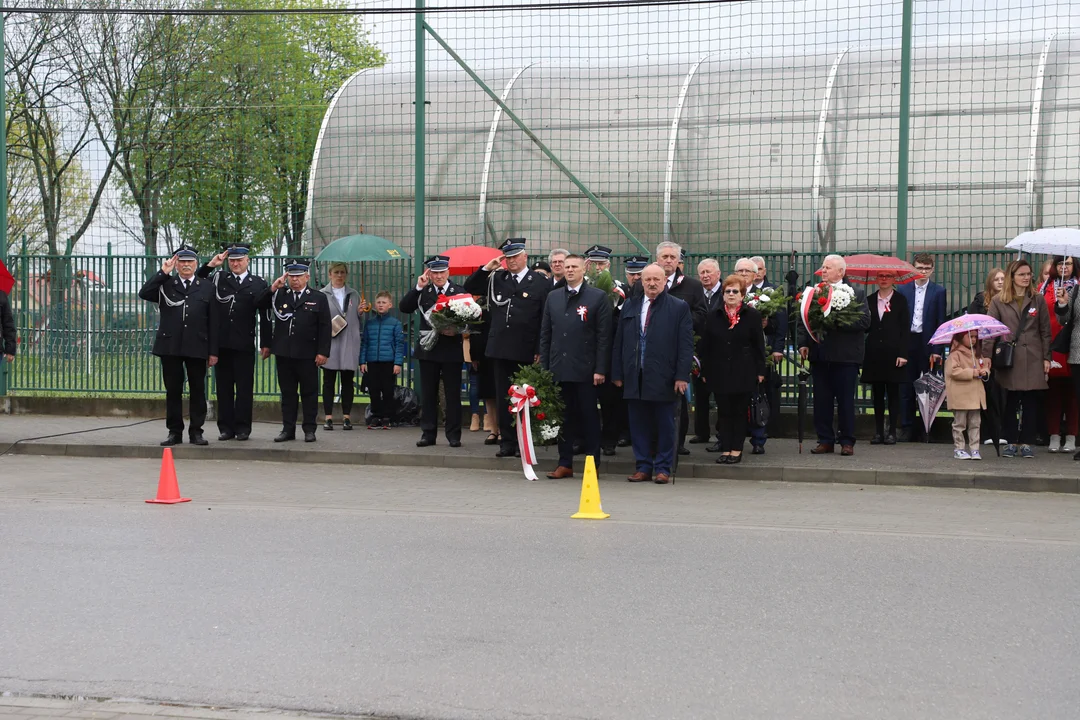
x: 361, y: 248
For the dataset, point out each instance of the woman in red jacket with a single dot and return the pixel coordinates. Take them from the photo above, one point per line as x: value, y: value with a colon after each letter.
x: 1059, y: 401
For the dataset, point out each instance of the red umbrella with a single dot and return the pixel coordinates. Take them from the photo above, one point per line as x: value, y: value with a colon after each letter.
x: 865, y: 268
x: 467, y: 258
x: 7, y: 281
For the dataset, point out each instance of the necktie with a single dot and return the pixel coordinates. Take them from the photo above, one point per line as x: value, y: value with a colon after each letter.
x: 708, y: 296
x: 572, y: 294
x: 648, y: 316
x: 185, y: 285
x: 238, y: 279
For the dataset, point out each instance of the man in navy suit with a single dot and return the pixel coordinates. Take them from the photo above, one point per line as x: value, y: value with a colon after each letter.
x: 927, y: 302
x: 650, y: 360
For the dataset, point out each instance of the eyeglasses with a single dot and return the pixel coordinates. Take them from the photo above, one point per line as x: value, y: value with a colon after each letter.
x: 924, y: 269
x: 733, y: 291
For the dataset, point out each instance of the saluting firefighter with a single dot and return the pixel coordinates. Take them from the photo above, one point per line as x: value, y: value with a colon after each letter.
x: 443, y: 361
x: 236, y: 291
x: 516, y: 298
x: 612, y: 407
x: 186, y: 341
x: 301, y: 344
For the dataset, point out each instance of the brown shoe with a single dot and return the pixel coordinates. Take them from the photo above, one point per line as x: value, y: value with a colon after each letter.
x: 847, y: 449
x: 822, y: 449
x: 640, y: 477
x: 662, y: 479
x: 560, y: 472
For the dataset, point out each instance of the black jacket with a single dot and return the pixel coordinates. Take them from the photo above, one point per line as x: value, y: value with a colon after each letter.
x: 732, y: 358
x: 888, y: 338
x: 237, y: 314
x: 841, y: 345
x: 777, y: 328
x: 189, y: 319
x: 690, y: 291
x: 447, y: 349
x: 575, y: 337
x: 7, y: 325
x: 301, y: 325
x: 516, y: 312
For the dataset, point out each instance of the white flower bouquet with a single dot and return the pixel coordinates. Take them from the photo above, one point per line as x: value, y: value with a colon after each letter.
x: 453, y: 315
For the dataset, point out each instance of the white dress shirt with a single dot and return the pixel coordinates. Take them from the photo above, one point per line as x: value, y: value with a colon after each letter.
x: 339, y: 294
x: 917, y: 312
x: 644, y: 311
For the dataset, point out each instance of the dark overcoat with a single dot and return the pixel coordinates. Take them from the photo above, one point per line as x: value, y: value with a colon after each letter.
x: 576, y: 335
x: 668, y: 352
x: 7, y: 324
x: 888, y: 338
x: 301, y: 325
x: 238, y: 315
x: 732, y: 358
x: 188, y: 326
x: 447, y: 349
x: 516, y: 312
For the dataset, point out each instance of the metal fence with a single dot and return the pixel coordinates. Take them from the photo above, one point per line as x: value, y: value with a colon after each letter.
x: 84, y: 331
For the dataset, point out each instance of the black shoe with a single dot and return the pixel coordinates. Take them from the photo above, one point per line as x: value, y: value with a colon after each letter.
x: 196, y: 438
x: 683, y: 450
x: 226, y: 436
x: 623, y: 442
x: 241, y: 436
x: 173, y: 439
x: 346, y: 424
x: 878, y: 439
x: 608, y: 451
x: 715, y: 447
x: 425, y: 442
x: 723, y: 460
x: 758, y: 450
x: 903, y: 436
x: 329, y: 425
x: 285, y: 436
x: 506, y: 452
x: 890, y: 439
x: 454, y: 443
x: 697, y: 440
x: 735, y: 459
x: 309, y: 436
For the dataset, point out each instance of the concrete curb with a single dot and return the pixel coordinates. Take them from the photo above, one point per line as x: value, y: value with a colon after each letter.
x: 755, y: 473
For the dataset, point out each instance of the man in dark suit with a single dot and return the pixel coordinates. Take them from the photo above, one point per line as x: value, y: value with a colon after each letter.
x: 301, y: 344
x: 444, y: 360
x: 709, y: 276
x: 612, y: 407
x: 186, y: 341
x: 834, y: 365
x: 776, y: 330
x: 927, y: 301
x: 236, y: 290
x: 516, y: 298
x: 651, y: 359
x: 575, y: 345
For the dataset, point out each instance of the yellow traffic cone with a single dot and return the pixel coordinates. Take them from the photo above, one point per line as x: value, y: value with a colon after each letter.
x: 589, y: 507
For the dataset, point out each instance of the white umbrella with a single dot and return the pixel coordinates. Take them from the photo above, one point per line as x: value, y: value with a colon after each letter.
x: 1048, y: 241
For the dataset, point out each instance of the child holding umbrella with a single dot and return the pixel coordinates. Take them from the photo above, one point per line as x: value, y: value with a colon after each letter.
x: 964, y: 375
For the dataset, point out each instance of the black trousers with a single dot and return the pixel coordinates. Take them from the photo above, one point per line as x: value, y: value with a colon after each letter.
x: 613, y: 419
x: 173, y: 369
x: 302, y: 374
x: 329, y: 384
x: 381, y: 382
x: 431, y: 373
x: 918, y: 363
x: 580, y: 422
x: 1021, y: 429
x: 504, y: 371
x: 731, y: 420
x: 234, y: 377
x: 834, y: 383
x: 703, y: 394
x: 881, y: 391
x: 684, y: 420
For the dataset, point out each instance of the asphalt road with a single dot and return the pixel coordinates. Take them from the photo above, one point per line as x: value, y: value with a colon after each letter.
x: 404, y: 608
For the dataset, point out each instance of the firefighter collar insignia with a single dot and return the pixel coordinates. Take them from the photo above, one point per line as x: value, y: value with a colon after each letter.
x: 524, y: 294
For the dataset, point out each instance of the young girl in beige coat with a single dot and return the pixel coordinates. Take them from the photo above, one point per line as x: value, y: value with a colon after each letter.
x: 964, y: 373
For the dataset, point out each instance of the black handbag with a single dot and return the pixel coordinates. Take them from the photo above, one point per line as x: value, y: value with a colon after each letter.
x: 759, y: 407
x: 1005, y: 352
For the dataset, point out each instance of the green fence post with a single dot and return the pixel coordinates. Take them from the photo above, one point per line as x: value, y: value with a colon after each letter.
x: 3, y: 174
x: 418, y: 169
x: 905, y: 122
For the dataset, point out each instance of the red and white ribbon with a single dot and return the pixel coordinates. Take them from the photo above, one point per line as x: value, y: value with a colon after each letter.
x: 443, y: 301
x: 522, y: 397
x: 804, y: 308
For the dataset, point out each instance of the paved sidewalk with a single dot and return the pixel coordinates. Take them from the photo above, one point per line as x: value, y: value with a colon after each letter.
x: 906, y: 464
x: 17, y: 707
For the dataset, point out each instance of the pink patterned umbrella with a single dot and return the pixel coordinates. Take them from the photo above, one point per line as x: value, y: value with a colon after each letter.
x: 985, y: 326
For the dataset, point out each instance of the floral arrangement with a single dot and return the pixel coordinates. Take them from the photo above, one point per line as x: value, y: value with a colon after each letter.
x: 767, y: 301
x: 544, y: 402
x: 602, y: 280
x: 453, y: 314
x: 825, y: 307
x: 695, y: 367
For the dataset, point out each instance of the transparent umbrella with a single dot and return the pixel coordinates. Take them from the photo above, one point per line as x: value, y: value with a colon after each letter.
x: 929, y: 395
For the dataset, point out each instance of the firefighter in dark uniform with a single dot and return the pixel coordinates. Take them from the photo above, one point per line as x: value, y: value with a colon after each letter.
x: 186, y: 341
x: 443, y: 361
x: 612, y: 407
x: 236, y: 291
x: 515, y: 298
x: 301, y: 344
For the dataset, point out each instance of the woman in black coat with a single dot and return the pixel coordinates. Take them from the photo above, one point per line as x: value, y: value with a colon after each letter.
x: 733, y: 361
x: 887, y: 344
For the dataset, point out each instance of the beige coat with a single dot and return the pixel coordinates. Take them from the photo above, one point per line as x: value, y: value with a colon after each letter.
x: 1032, y: 347
x: 963, y: 387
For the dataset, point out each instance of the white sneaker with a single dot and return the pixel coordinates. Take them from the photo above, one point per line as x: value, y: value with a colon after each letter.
x: 961, y: 455
x: 975, y: 455
x: 988, y: 442
x: 1070, y: 444
x: 1055, y: 443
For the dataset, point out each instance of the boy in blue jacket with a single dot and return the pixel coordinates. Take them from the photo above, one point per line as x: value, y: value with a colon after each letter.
x: 382, y: 353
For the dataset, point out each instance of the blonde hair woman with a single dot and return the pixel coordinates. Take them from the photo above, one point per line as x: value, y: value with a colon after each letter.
x: 344, y: 303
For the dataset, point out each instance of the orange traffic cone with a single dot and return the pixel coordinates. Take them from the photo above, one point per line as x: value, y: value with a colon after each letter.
x: 168, y: 490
